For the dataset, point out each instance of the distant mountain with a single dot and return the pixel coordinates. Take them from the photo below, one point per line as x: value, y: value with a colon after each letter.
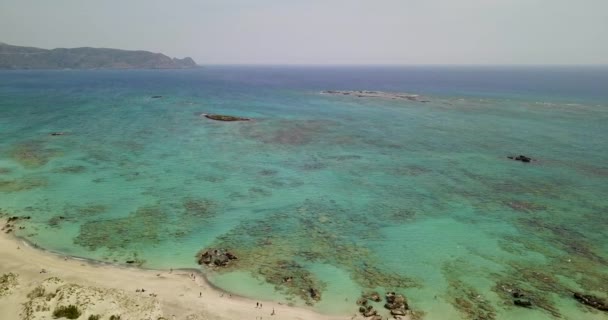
x: 15, y: 57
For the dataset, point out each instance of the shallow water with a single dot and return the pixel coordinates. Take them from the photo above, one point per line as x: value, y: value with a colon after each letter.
x: 346, y: 194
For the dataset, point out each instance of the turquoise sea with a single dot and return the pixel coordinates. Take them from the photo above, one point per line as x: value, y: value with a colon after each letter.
x: 341, y: 193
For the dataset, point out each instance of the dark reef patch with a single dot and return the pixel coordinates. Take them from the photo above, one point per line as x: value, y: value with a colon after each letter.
x: 288, y: 132
x: 471, y: 304
x: 272, y: 249
x: 33, y: 154
x: 147, y: 226
x: 74, y: 213
x: 71, y: 169
x: 144, y: 226
x: 23, y: 184
x: 525, y: 206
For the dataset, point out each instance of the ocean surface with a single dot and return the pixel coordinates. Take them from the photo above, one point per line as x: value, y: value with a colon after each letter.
x: 342, y: 194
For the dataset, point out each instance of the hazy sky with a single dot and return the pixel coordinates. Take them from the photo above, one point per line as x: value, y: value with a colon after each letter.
x: 322, y: 31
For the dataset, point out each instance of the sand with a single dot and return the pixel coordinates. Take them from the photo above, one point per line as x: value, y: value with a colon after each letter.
x: 112, y: 290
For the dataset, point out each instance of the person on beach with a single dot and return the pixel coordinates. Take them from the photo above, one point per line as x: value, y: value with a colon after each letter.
x: 257, y: 305
x: 272, y: 314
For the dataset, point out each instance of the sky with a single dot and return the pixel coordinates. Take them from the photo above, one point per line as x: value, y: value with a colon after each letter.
x: 395, y: 32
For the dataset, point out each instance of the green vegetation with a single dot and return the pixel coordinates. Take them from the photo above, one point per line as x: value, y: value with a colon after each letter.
x: 15, y: 57
x: 94, y: 317
x: 114, y: 317
x: 70, y: 312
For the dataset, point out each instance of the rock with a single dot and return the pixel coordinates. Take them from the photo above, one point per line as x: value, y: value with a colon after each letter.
x: 592, y: 301
x: 369, y: 313
x: 398, y: 312
x: 374, y: 296
x: 376, y: 317
x: 57, y: 134
x: 396, y: 301
x: 15, y: 218
x: 521, y: 158
x: 525, y: 303
x: 130, y: 261
x: 156, y: 97
x: 362, y: 301
x: 314, y: 293
x: 220, y: 117
x: 215, y: 257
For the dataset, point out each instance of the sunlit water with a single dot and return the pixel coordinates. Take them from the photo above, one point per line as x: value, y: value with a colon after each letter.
x: 344, y: 194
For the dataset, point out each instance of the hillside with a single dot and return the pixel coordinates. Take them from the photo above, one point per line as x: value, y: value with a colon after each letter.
x: 16, y: 57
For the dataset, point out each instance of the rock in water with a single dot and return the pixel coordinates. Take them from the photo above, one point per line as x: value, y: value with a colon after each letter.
x: 215, y: 257
x: 522, y: 303
x: 220, y: 117
x: 521, y: 158
x: 592, y: 301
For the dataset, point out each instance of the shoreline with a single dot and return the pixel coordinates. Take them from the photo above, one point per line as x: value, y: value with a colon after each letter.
x: 169, y: 295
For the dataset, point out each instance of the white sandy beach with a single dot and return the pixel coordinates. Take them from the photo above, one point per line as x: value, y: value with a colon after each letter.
x: 111, y: 290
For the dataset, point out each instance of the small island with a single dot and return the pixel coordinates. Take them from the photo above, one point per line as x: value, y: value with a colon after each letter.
x: 17, y: 57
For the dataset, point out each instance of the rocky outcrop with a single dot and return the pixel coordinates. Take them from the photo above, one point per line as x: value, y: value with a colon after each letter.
x: 592, y: 301
x: 221, y: 117
x: 521, y: 158
x: 215, y: 257
x: 396, y: 304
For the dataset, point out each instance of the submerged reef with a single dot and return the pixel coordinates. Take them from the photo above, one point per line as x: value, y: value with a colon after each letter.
x: 288, y: 132
x: 142, y: 226
x: 469, y: 301
x: 377, y: 94
x: 73, y: 213
x: 23, y: 184
x: 465, y: 298
x: 71, y: 169
x: 146, y: 226
x: 33, y: 154
x: 273, y: 249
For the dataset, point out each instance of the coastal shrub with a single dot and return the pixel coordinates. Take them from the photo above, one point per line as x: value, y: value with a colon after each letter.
x: 7, y: 282
x: 70, y: 312
x: 114, y: 317
x: 36, y: 293
x: 94, y: 317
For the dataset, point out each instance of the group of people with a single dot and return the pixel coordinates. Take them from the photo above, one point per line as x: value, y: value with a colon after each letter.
x: 259, y: 305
